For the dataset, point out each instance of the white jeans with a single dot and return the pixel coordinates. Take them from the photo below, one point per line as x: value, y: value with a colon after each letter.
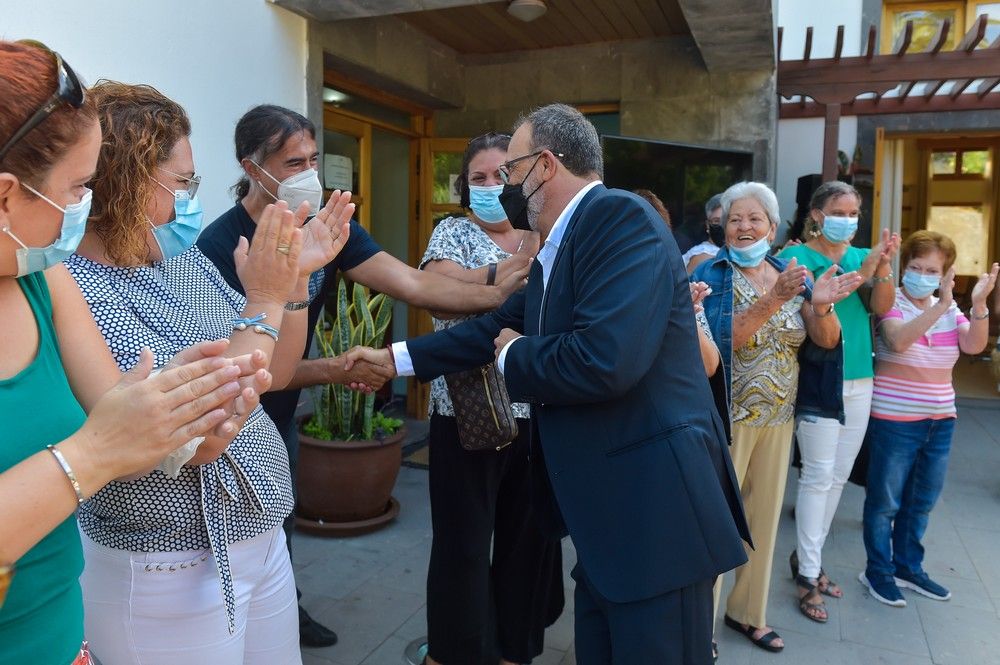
x: 828, y: 450
x: 157, y: 609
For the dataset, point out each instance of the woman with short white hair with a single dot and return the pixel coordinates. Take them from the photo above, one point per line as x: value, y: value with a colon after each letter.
x: 760, y: 310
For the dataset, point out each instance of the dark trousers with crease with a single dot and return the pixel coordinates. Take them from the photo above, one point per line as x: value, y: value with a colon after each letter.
x: 671, y: 629
x: 484, y: 602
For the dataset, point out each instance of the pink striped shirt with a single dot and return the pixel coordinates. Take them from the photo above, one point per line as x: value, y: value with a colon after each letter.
x: 915, y: 384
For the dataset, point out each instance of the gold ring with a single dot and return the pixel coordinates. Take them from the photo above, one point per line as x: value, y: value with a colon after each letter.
x: 284, y: 249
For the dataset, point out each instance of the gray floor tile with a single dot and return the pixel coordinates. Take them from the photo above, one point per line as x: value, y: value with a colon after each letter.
x: 960, y: 635
x: 868, y: 622
x: 389, y: 652
x: 364, y: 619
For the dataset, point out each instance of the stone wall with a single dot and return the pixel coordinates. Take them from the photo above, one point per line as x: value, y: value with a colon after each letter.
x: 662, y: 85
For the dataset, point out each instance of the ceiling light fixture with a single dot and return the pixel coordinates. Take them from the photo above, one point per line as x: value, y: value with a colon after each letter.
x: 526, y: 10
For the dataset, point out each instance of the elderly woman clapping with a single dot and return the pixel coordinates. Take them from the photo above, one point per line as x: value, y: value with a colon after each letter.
x: 760, y: 310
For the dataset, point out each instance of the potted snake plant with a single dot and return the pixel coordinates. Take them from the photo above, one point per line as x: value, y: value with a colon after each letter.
x: 349, y: 453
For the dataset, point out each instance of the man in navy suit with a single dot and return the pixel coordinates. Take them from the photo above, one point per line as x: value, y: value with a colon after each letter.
x: 628, y: 447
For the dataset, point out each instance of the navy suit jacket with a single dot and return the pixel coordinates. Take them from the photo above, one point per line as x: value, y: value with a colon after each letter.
x: 635, y: 452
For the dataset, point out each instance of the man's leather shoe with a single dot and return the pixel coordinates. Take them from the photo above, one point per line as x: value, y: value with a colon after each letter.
x: 313, y: 634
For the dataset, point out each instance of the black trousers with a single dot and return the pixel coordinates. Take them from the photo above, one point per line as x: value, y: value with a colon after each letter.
x: 672, y: 629
x: 482, y: 607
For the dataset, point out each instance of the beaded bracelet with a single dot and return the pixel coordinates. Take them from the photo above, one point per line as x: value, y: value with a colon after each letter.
x: 68, y: 470
x: 255, y: 324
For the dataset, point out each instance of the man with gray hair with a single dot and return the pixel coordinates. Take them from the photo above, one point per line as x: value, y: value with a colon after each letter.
x: 628, y: 452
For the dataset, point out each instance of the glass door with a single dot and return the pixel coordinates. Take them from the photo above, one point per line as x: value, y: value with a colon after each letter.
x: 438, y: 163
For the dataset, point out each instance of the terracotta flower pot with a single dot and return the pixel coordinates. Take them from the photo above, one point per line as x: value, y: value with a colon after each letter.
x: 345, y: 487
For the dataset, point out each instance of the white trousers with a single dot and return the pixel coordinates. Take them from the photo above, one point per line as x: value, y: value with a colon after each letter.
x: 828, y: 450
x: 158, y: 609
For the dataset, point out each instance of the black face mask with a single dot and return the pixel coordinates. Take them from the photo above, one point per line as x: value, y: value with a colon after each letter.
x: 717, y: 234
x: 515, y: 203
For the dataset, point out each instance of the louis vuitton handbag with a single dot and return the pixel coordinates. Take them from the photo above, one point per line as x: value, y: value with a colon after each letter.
x: 482, y: 408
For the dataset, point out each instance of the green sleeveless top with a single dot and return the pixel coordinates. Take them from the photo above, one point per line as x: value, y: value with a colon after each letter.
x: 42, y: 618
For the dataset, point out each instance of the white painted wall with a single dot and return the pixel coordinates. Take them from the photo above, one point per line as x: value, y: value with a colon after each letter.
x: 217, y: 58
x: 800, y: 152
x: 800, y: 141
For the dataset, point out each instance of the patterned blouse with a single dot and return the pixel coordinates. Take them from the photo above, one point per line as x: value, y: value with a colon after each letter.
x: 461, y: 240
x: 166, y: 307
x: 766, y: 368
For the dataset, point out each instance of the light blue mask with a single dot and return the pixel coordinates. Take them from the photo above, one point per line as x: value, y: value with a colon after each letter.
x: 839, y: 229
x: 920, y: 286
x: 485, y: 202
x: 74, y: 223
x: 176, y: 236
x: 751, y: 255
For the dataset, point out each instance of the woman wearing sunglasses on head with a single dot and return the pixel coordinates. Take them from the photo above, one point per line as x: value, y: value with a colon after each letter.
x: 192, y: 566
x: 70, y: 418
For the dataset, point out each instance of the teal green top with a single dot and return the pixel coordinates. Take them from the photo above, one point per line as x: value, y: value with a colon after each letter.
x: 42, y: 618
x: 851, y: 311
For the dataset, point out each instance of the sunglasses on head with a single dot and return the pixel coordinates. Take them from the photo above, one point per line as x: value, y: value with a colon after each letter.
x: 69, y: 90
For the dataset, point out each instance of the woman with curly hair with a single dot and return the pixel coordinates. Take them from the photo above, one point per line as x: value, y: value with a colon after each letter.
x: 189, y: 564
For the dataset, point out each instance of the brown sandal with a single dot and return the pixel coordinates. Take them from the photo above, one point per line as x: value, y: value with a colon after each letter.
x: 811, y: 602
x: 827, y: 587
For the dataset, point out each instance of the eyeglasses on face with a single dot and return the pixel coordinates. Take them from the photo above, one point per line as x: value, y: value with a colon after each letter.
x: 192, y: 183
x: 506, y: 166
x: 69, y: 90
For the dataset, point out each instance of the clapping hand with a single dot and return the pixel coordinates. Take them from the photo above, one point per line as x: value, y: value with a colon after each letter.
x: 254, y: 379
x: 831, y: 288
x: 945, y: 291
x: 881, y: 254
x: 983, y: 288
x: 791, y: 282
x: 699, y: 291
x: 325, y: 234
x: 268, y: 267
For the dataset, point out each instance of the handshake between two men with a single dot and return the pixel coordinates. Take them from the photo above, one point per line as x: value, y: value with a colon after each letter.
x: 366, y: 369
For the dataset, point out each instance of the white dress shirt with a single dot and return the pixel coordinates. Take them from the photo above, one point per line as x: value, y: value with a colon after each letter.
x: 546, y: 257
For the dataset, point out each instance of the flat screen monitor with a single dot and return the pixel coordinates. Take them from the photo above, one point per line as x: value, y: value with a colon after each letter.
x: 683, y: 176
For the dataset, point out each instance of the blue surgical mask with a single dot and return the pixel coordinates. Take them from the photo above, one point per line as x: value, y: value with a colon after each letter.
x: 920, y: 286
x: 485, y: 202
x: 751, y: 255
x: 74, y: 223
x: 839, y: 229
x: 176, y: 236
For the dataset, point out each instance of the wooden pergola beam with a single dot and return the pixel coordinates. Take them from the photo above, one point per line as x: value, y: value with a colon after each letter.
x: 904, y: 40
x: 975, y: 35
x: 830, y: 81
x: 872, y: 41
x: 913, y: 104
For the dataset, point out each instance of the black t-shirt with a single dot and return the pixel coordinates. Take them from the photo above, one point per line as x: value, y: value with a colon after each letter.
x: 219, y: 240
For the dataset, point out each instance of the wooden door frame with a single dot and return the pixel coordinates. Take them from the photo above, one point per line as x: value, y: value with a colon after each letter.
x: 337, y: 121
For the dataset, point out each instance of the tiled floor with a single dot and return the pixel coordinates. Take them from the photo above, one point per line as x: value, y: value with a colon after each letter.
x: 371, y: 589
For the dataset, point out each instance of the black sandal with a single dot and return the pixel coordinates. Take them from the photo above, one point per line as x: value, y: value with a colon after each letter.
x: 813, y: 594
x: 765, y: 641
